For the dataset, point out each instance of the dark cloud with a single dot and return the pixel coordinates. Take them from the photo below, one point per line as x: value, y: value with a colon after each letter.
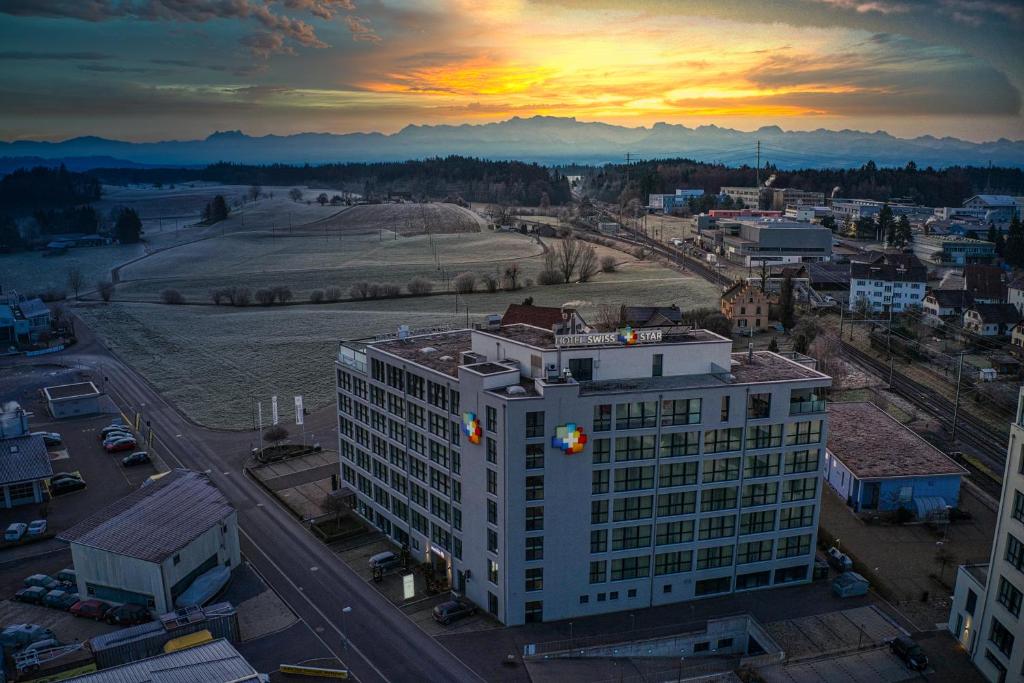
x: 55, y: 56
x: 109, y: 68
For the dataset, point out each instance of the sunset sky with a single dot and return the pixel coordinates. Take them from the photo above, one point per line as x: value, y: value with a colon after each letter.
x: 162, y: 69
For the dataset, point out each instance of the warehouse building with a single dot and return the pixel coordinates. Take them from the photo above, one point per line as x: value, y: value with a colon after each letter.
x: 148, y: 547
x: 73, y: 400
x: 24, y: 469
x: 875, y: 463
x: 560, y: 475
x: 774, y: 241
x: 216, y: 661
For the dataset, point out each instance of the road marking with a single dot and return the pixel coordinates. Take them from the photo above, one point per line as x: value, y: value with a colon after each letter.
x: 312, y: 604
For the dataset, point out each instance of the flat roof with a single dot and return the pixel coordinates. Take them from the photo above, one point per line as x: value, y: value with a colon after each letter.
x: 23, y: 459
x: 874, y: 445
x: 157, y: 520
x: 545, y: 339
x: 77, y: 390
x: 441, y: 352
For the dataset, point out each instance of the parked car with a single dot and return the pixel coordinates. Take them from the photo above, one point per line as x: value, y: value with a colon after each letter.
x: 61, y: 486
x: 114, y: 438
x: 128, y: 615
x: 453, y: 610
x: 136, y: 458
x: 121, y: 445
x: 910, y: 652
x: 67, y: 475
x: 67, y: 576
x: 37, y: 527
x: 90, y: 609
x: 43, y: 581
x: 839, y: 560
x: 110, y: 429
x: 44, y: 644
x: 385, y: 561
x: 60, y: 599
x: 33, y: 595
x: 50, y: 438
x: 15, y: 531
x: 18, y: 636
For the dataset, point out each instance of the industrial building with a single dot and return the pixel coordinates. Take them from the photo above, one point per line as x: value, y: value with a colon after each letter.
x: 73, y: 400
x: 774, y: 241
x: 552, y: 475
x: 148, y: 547
x: 774, y: 198
x: 888, y: 281
x: 998, y: 208
x: 24, y: 469
x: 985, y: 614
x: 875, y: 463
x: 216, y: 661
x: 952, y: 250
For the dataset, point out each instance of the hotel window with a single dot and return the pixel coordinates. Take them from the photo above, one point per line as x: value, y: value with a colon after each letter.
x: 415, y: 385
x: 599, y: 481
x: 634, y: 478
x: 723, y: 469
x: 534, y: 456
x: 535, y: 487
x: 601, y: 452
x: 492, y: 450
x: 677, y: 474
x: 492, y: 482
x: 599, y: 512
x: 799, y: 489
x: 624, y: 568
x: 793, y: 518
x: 492, y: 418
x: 724, y: 412
x: 1009, y: 597
x: 669, y: 533
x: 753, y: 580
x: 535, y: 518
x: 492, y: 541
x: 1001, y: 637
x: 631, y: 537
x: 673, y: 562
x: 711, y: 587
x: 803, y: 432
x: 766, y: 465
x: 717, y: 527
x: 717, y: 499
x: 657, y: 363
x: 534, y: 424
x: 754, y: 551
x: 1018, y: 506
x: 759, y: 406
x: 534, y: 579
x: 682, y: 503
x: 599, y: 571
x: 764, y: 436
x: 602, y: 417
x: 637, y: 507
x: 634, y: 448
x: 636, y: 415
x: 581, y: 369
x: 801, y: 461
x: 680, y: 443
x: 437, y: 395
x: 757, y: 522
x: 719, y: 440
x: 792, y: 546
x: 599, y: 540
x: 759, y: 494
x: 717, y: 556
x: 492, y: 571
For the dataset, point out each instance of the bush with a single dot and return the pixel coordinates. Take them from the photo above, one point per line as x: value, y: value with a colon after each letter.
x: 332, y: 293
x: 106, y: 289
x: 419, y: 286
x: 282, y: 293
x: 389, y: 290
x: 549, y: 277
x: 640, y: 253
x: 360, y: 290
x: 316, y: 296
x: 373, y: 290
x: 172, y: 296
x: 464, y: 283
x: 608, y: 264
x: 489, y: 282
x: 264, y: 297
x: 238, y: 296
x: 217, y: 296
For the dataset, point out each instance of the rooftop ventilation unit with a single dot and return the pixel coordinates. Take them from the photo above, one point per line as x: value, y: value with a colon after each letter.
x: 446, y: 358
x: 515, y: 390
x: 471, y: 357
x: 428, y: 349
x: 403, y: 331
x: 493, y: 320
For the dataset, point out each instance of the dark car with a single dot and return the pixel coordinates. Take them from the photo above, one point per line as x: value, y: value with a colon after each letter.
x: 136, y: 458
x: 125, y: 444
x: 910, y: 652
x: 90, y: 609
x: 62, y: 486
x: 128, y: 615
x: 66, y: 475
x: 453, y: 610
x: 32, y: 594
x: 60, y: 599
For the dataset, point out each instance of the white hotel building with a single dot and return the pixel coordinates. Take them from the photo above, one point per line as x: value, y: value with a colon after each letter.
x: 554, y: 477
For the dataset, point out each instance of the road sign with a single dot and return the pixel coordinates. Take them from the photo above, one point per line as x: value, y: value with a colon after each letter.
x: 408, y: 586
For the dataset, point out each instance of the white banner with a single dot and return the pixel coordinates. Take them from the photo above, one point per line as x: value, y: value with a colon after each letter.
x: 259, y: 413
x: 273, y: 410
x: 298, y: 410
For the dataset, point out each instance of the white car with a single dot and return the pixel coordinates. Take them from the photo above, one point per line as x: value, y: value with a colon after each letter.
x: 37, y: 527
x: 15, y: 531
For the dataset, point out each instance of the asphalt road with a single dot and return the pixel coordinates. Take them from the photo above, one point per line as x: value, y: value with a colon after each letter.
x: 375, y: 640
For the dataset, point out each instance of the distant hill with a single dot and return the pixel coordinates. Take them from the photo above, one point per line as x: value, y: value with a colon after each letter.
x: 8, y: 164
x: 548, y: 140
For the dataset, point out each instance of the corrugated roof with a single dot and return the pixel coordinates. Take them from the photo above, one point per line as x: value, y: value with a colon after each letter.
x: 157, y: 520
x: 24, y: 458
x: 33, y: 308
x: 214, y: 662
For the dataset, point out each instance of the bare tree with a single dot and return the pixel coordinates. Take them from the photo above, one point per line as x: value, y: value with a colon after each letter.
x: 282, y: 293
x: 316, y: 296
x: 389, y: 290
x: 419, y: 286
x: 587, y: 267
x: 216, y: 296
x: 608, y: 263
x: 76, y: 280
x: 568, y: 257
x: 511, y: 276
x: 172, y: 297
x: 255, y: 191
x: 607, y: 317
x: 360, y: 290
x: 275, y: 434
x: 322, y: 199
x: 827, y: 350
x: 332, y: 293
x: 265, y: 297
x: 489, y: 282
x: 106, y: 289
x: 464, y: 283
x: 295, y: 194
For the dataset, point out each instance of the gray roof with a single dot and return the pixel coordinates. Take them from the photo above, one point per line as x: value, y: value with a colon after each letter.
x: 24, y: 458
x: 33, y: 308
x: 213, y: 662
x: 155, y: 521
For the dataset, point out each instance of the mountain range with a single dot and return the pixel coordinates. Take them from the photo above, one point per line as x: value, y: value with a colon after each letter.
x: 543, y: 139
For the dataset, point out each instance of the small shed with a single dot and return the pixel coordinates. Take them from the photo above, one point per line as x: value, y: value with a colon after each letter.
x: 37, y: 314
x: 73, y: 400
x: 876, y: 463
x: 24, y: 469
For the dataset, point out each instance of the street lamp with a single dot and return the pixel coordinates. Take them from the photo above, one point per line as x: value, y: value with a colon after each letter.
x: 344, y: 610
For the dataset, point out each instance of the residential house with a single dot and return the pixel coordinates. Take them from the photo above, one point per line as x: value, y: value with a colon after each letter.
x: 746, y: 307
x: 888, y: 281
x: 1015, y: 293
x: 1017, y: 337
x: 999, y: 208
x: 148, y: 547
x: 650, y: 316
x: 876, y: 463
x: 947, y: 303
x: 37, y: 315
x: 985, y: 283
x: 546, y: 317
x: 991, y: 320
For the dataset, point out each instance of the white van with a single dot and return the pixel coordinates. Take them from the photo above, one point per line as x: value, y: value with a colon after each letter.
x: 385, y: 561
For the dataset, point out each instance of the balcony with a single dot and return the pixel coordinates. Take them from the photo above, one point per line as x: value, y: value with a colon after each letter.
x: 806, y: 404
x: 352, y: 356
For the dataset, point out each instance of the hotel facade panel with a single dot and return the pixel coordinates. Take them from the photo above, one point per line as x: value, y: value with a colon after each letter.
x: 553, y: 476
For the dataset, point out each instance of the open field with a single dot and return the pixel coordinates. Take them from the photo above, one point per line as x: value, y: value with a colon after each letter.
x: 404, y: 219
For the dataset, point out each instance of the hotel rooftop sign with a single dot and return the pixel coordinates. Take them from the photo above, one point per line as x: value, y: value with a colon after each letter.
x: 625, y: 336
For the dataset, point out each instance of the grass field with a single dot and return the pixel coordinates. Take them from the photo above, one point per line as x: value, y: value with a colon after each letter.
x: 404, y: 219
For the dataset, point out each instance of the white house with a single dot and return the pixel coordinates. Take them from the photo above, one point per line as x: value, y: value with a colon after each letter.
x: 991, y: 320
x: 895, y: 281
x: 148, y: 547
x: 1015, y: 294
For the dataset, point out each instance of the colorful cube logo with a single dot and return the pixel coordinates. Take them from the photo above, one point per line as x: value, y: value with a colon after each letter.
x: 570, y: 438
x: 471, y: 427
x: 627, y: 335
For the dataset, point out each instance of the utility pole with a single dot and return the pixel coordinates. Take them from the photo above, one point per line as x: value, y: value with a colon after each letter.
x: 888, y: 342
x: 758, y: 166
x: 956, y: 400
